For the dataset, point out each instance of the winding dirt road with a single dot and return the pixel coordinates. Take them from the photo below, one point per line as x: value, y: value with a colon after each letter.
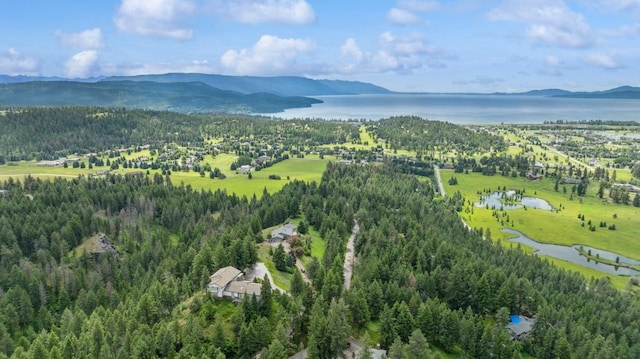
x: 349, y: 256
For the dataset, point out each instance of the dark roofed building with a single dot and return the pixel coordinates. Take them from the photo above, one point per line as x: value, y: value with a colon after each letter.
x: 288, y: 231
x: 520, y: 326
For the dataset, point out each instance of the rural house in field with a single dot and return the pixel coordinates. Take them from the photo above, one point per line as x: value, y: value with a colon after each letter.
x: 244, y: 169
x: 569, y: 180
x: 229, y: 283
x: 288, y: 231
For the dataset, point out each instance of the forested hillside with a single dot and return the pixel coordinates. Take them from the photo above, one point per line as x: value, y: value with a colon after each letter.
x: 424, y: 136
x: 52, y: 132
x: 423, y: 285
x: 175, y: 96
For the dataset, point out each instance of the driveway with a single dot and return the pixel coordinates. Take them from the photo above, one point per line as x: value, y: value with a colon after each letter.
x: 258, y: 271
x: 349, y: 256
x: 287, y: 249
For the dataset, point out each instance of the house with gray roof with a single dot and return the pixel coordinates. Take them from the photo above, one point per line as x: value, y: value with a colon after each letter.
x: 243, y: 170
x: 569, y: 180
x: 288, y: 231
x: 229, y: 283
x: 520, y: 326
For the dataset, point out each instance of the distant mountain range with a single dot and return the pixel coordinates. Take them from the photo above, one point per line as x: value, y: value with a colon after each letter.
x: 178, y: 96
x: 193, y: 92
x: 622, y: 92
x: 278, y: 85
x: 183, y: 92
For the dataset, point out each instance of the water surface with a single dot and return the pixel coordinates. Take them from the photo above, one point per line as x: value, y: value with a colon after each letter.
x: 494, y: 201
x: 468, y: 109
x: 570, y: 254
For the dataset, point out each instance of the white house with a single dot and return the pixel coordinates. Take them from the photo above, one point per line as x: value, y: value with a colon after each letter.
x: 244, y: 169
x: 228, y: 283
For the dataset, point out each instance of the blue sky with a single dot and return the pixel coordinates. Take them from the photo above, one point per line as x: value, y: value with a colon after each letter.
x: 404, y: 45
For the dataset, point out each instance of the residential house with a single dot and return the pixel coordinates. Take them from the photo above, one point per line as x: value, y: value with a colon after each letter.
x: 229, y: 283
x: 262, y: 159
x: 520, y: 326
x: 288, y: 231
x: 244, y: 169
x: 569, y: 180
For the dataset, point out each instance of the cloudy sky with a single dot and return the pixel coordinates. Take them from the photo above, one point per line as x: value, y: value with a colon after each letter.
x: 404, y: 45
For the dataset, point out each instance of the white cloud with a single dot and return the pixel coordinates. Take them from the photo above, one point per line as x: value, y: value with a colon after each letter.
x: 553, y: 66
x: 81, y: 65
x: 156, y: 18
x: 622, y: 5
x: 602, y: 60
x: 405, y: 12
x: 351, y: 48
x: 87, y: 40
x: 623, y: 31
x: 419, y: 6
x: 550, y: 22
x: 402, y: 17
x: 480, y: 80
x: 265, y: 11
x: 401, y: 54
x: 13, y: 63
x: 553, y: 61
x: 195, y: 66
x: 271, y: 55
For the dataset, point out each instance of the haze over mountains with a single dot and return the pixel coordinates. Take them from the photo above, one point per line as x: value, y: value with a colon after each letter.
x: 194, y: 92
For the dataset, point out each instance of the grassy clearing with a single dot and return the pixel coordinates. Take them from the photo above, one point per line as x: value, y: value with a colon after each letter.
x: 317, y: 242
x: 309, y: 168
x: 562, y: 227
x: 366, y: 136
x: 567, y: 228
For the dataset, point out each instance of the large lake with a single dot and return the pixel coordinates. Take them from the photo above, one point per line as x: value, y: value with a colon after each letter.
x: 468, y: 109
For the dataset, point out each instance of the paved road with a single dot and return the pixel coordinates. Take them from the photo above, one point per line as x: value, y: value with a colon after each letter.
x: 349, y: 256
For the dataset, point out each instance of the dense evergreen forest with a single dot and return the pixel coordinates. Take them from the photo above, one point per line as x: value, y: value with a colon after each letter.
x: 428, y: 283
x: 49, y: 133
x: 424, y: 136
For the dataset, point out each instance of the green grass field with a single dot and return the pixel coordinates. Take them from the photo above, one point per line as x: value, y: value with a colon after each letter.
x: 562, y: 227
x: 309, y: 169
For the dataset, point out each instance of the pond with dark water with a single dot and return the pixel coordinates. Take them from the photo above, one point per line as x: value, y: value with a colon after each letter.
x: 495, y: 200
x: 571, y: 254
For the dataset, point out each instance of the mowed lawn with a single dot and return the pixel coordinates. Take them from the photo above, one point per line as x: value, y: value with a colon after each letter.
x: 562, y: 227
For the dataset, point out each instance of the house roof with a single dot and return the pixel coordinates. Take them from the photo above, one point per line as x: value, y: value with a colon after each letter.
x: 223, y: 276
x: 523, y: 326
x: 244, y: 287
x: 286, y: 230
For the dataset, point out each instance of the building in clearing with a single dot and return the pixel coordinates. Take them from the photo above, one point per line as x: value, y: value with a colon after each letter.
x: 288, y: 231
x: 520, y: 326
x: 229, y: 283
x: 244, y: 169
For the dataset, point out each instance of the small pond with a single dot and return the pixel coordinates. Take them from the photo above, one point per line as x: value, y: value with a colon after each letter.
x: 570, y: 254
x: 494, y: 201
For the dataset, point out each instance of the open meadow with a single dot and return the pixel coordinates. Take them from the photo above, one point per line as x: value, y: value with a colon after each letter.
x: 559, y: 226
x: 308, y: 169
